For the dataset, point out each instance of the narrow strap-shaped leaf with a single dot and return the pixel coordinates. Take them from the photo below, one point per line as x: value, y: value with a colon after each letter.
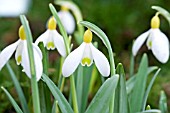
x: 78, y: 16
x: 79, y: 86
x: 131, y: 81
x: 139, y: 86
x: 55, y: 108
x: 15, y: 105
x: 163, y: 12
x: 101, y: 100
x: 149, y: 88
x: 62, y: 102
x: 151, y: 111
x: 18, y: 89
x: 121, y: 100
x: 163, y: 103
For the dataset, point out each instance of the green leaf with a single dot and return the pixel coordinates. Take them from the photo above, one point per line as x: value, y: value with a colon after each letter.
x: 55, y: 108
x: 163, y: 12
x: 139, y: 86
x: 79, y: 86
x: 78, y: 16
x: 62, y: 102
x: 105, y: 40
x: 149, y: 88
x: 18, y: 89
x: 101, y: 100
x: 16, y: 107
x: 86, y: 86
x: 163, y: 103
x: 121, y: 100
x: 131, y: 81
x: 151, y: 111
x: 61, y: 27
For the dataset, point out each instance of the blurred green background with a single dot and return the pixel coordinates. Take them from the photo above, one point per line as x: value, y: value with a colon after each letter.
x: 121, y: 20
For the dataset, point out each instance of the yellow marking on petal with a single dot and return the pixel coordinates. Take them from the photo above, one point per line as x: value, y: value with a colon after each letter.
x: 155, y: 22
x: 64, y: 8
x: 50, y: 45
x: 86, y: 61
x: 19, y: 59
x: 21, y: 33
x: 52, y: 23
x: 150, y: 44
x: 88, y: 36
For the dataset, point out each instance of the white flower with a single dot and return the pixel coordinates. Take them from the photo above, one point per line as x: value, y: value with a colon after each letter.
x: 156, y: 41
x: 52, y: 39
x: 85, y: 54
x: 21, y: 55
x: 67, y: 19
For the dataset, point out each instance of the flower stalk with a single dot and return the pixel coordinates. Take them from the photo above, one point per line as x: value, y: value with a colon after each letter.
x: 34, y: 85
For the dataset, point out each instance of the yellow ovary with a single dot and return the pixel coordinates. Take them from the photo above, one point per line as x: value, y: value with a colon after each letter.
x: 22, y: 34
x: 88, y: 36
x: 86, y: 61
x: 155, y: 22
x: 64, y: 8
x: 52, y: 23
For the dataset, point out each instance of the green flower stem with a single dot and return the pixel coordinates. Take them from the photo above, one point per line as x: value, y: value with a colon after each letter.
x: 132, y: 61
x: 74, y: 95
x: 34, y: 84
x: 66, y: 41
x: 44, y: 91
x: 62, y: 84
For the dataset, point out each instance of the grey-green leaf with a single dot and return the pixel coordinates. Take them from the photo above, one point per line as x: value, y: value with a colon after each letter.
x: 62, y: 102
x: 15, y: 105
x: 121, y: 100
x: 139, y: 86
x: 101, y: 100
x: 163, y: 103
x: 18, y: 89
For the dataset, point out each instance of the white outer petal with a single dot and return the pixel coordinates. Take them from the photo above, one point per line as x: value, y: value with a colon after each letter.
x: 59, y: 43
x: 160, y: 46
x: 67, y: 20
x: 19, y: 51
x: 139, y: 42
x: 101, y: 61
x: 37, y: 49
x: 26, y: 63
x: 7, y: 53
x: 73, y: 60
x: 43, y: 38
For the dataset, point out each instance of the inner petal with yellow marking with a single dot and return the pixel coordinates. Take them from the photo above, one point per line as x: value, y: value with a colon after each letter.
x: 50, y: 45
x: 87, y: 56
x: 19, y: 59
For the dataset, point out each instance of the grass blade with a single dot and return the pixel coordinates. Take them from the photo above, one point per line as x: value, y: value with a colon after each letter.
x: 16, y: 107
x: 62, y: 102
x: 18, y: 89
x: 101, y: 100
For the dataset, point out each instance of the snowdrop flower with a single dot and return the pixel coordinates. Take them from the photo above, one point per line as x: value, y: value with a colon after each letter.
x: 156, y: 41
x: 52, y: 39
x: 85, y: 54
x: 67, y: 19
x: 21, y: 55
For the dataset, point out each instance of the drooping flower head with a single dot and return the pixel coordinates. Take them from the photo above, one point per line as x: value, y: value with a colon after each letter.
x: 156, y: 41
x: 85, y: 54
x: 52, y: 39
x: 67, y: 19
x: 21, y: 55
